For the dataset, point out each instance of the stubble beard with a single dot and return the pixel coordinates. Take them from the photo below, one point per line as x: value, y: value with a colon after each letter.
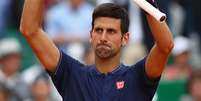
x: 104, y: 52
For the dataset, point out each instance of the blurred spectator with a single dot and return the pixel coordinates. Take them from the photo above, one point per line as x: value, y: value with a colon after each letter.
x: 35, y: 72
x: 10, y: 60
x: 30, y: 74
x: 181, y: 68
x: 41, y: 88
x: 183, y: 25
x: 194, y: 86
x: 68, y: 24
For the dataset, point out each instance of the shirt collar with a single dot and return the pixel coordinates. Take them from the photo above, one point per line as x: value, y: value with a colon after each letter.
x: 117, y: 71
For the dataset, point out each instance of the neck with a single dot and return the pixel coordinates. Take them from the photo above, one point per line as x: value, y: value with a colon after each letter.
x: 105, y: 65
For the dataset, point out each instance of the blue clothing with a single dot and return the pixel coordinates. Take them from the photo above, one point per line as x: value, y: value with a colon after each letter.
x: 78, y: 82
x: 63, y: 19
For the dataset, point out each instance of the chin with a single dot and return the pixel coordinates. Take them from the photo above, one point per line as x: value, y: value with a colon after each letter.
x: 104, y: 56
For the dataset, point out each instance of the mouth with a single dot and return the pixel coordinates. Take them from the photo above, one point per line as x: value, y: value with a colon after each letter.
x: 103, y: 46
x: 103, y: 50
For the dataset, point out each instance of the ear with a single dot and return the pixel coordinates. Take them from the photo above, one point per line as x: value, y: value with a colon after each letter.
x: 125, y: 39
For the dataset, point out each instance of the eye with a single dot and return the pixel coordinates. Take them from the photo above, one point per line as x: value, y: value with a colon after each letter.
x: 98, y: 30
x: 111, y: 31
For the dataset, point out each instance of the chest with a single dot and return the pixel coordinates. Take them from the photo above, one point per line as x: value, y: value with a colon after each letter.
x: 106, y: 88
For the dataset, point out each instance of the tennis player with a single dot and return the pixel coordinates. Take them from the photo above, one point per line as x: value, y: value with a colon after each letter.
x: 108, y: 79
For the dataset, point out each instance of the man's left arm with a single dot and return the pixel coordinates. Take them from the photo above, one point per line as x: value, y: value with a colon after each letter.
x: 158, y: 56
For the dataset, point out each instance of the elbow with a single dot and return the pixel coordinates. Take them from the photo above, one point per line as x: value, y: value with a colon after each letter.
x: 167, y: 49
x: 51, y: 66
x: 153, y: 72
x: 24, y: 30
x: 27, y: 30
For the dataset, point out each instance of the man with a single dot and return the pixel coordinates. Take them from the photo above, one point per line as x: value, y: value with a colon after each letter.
x: 10, y: 78
x: 41, y: 89
x: 108, y: 79
x: 194, y: 85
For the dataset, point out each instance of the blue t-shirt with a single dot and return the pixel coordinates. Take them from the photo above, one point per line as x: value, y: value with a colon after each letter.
x: 78, y: 82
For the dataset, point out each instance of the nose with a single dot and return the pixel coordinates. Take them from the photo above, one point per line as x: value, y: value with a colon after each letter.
x: 103, y: 36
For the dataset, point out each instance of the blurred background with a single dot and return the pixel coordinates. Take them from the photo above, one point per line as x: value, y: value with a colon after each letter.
x: 68, y: 23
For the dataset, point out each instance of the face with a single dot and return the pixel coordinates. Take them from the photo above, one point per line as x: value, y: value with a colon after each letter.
x: 195, y: 90
x: 11, y: 64
x: 106, y: 37
x: 183, y: 58
x: 40, y: 89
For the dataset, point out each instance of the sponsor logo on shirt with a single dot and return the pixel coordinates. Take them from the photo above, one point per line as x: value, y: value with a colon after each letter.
x: 120, y: 84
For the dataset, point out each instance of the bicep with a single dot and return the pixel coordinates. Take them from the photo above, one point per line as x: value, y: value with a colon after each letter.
x: 44, y: 49
x: 155, y: 62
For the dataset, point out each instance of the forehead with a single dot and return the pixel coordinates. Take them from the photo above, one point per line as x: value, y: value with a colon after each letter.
x: 107, y: 22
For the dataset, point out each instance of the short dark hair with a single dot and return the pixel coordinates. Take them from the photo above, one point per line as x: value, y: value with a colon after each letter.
x: 113, y: 11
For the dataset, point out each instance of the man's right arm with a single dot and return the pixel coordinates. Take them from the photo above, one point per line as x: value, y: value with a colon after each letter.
x: 30, y: 26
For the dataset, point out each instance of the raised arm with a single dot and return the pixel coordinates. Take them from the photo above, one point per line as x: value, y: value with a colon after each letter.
x: 43, y: 47
x: 158, y: 55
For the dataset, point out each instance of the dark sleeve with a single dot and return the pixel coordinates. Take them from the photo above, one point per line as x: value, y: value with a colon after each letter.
x: 139, y: 68
x: 64, y: 70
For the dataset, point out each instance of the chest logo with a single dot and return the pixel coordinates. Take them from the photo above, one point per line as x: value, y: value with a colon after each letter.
x: 120, y: 84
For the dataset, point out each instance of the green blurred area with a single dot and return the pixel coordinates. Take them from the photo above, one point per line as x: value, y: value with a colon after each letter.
x: 171, y: 90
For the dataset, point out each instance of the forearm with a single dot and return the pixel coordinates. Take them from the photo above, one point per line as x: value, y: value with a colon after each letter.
x: 32, y: 16
x: 161, y: 33
x: 43, y: 47
x: 158, y: 55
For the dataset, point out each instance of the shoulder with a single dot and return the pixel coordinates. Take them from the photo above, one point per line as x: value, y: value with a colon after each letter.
x: 66, y: 67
